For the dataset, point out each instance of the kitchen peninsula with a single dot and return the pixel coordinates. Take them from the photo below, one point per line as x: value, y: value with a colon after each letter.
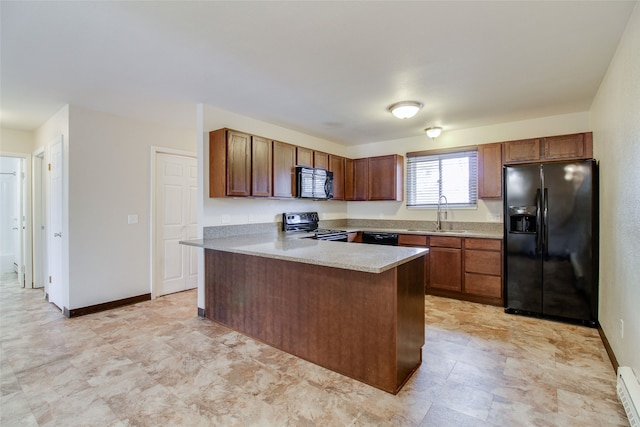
x: 352, y: 308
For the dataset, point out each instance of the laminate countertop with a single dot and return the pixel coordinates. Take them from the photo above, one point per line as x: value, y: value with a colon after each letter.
x: 298, y: 247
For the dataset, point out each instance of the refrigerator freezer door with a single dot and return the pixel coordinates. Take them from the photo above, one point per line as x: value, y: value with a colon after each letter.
x: 567, y: 258
x: 523, y: 266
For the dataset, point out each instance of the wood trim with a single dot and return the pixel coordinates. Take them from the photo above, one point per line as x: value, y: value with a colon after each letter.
x: 442, y: 151
x: 607, y: 347
x: 105, y: 306
x: 464, y: 296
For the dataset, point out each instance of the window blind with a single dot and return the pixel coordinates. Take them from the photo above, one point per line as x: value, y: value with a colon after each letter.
x: 453, y: 175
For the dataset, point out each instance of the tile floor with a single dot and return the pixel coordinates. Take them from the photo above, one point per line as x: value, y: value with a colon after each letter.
x: 157, y: 364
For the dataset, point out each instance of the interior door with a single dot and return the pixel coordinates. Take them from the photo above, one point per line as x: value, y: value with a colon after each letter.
x: 176, y: 266
x: 54, y: 236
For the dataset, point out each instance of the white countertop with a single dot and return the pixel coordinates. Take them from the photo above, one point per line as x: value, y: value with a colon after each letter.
x: 295, y: 247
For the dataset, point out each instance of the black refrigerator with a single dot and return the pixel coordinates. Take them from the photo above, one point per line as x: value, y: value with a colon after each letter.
x: 551, y: 240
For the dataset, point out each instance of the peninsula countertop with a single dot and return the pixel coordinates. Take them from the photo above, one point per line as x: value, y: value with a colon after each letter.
x: 298, y: 248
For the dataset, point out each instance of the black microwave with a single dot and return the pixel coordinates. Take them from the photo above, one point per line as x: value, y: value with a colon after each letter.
x: 313, y: 183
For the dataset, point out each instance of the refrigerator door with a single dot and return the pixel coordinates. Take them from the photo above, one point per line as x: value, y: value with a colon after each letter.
x: 568, y: 282
x: 523, y: 243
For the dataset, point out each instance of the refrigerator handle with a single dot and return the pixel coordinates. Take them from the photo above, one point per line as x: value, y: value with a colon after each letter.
x: 545, y: 221
x: 539, y: 222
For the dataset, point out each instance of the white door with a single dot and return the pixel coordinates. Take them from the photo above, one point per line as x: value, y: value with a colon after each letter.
x: 176, y: 210
x: 39, y: 236
x: 54, y: 230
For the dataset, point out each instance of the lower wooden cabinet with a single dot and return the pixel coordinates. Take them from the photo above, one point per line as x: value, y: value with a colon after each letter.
x: 445, y: 263
x: 466, y: 268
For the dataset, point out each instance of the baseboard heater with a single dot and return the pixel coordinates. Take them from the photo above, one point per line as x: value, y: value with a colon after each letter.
x: 629, y: 394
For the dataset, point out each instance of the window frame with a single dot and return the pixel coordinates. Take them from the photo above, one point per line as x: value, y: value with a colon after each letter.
x: 470, y: 152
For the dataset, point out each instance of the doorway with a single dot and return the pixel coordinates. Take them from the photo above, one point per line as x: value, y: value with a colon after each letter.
x: 174, y: 210
x: 13, y: 220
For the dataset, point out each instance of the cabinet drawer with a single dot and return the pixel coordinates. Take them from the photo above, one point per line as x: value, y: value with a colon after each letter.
x: 413, y: 240
x: 446, y: 242
x: 484, y: 244
x: 484, y: 262
x: 479, y: 284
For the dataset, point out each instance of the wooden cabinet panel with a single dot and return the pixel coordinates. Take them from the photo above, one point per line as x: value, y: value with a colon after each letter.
x: 413, y: 240
x: 577, y: 146
x: 446, y: 242
x: 336, y: 165
x: 386, y: 177
x: 284, y: 161
x: 567, y: 147
x: 526, y: 150
x: 361, y: 179
x: 349, y: 192
x: 484, y: 244
x: 483, y: 262
x: 304, y: 156
x: 490, y: 171
x: 261, y: 166
x: 445, y: 268
x: 238, y: 164
x: 320, y: 160
x: 483, y: 285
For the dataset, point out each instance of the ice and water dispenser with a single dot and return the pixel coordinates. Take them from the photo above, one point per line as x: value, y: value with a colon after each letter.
x: 522, y: 219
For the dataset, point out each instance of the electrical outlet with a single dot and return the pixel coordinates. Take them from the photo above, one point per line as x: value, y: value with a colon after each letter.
x: 226, y: 219
x: 132, y: 219
x: 251, y: 218
x: 621, y: 329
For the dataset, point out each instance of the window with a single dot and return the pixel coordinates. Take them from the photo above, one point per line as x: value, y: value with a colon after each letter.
x: 453, y: 175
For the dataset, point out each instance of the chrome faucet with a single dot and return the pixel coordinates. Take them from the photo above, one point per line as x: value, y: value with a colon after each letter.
x: 446, y: 210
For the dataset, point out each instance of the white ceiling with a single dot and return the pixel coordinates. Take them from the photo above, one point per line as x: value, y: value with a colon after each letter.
x: 325, y: 68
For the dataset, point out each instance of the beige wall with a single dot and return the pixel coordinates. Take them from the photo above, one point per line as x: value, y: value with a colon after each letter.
x: 110, y: 178
x: 615, y: 118
x: 16, y: 141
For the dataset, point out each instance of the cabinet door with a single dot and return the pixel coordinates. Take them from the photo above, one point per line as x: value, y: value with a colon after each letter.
x: 386, y: 177
x: 568, y: 147
x: 445, y: 268
x: 261, y: 166
x: 336, y: 165
x: 349, y: 190
x: 526, y: 150
x: 304, y: 156
x: 284, y: 161
x: 361, y: 179
x: 320, y: 160
x: 238, y: 164
x: 490, y: 171
x: 482, y: 262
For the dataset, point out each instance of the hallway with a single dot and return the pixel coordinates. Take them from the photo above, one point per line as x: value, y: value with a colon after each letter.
x: 157, y: 364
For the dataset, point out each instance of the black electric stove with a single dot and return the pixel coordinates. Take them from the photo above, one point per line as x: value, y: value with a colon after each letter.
x: 308, y: 222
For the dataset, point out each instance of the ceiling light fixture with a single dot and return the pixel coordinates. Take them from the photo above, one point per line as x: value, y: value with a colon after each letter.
x: 433, y: 132
x: 405, y: 109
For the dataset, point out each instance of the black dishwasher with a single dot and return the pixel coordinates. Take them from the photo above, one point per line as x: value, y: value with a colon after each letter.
x: 377, y: 238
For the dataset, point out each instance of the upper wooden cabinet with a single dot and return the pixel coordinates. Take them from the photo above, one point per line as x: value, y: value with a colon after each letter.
x: 490, y: 171
x: 284, y: 171
x: 577, y: 146
x: 229, y: 163
x: 337, y: 166
x: 386, y: 177
x: 304, y: 156
x: 261, y: 166
x: 568, y: 147
x: 523, y: 151
x: 360, y: 179
x: 320, y: 160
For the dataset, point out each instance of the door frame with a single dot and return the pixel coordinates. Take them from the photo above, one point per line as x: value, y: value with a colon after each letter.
x: 26, y: 273
x: 39, y: 217
x: 152, y: 208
